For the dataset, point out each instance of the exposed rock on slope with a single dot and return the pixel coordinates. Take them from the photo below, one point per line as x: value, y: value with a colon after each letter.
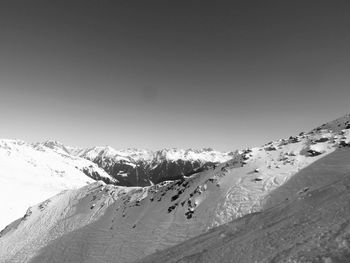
x: 308, y: 221
x: 106, y: 223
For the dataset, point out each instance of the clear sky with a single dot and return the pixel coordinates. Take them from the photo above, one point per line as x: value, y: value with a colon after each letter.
x: 157, y: 74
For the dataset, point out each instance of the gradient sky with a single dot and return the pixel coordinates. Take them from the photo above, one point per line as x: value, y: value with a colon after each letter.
x: 157, y: 74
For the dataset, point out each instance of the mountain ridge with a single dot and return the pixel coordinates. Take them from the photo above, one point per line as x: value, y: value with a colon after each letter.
x: 102, y: 222
x: 30, y: 174
x: 135, y: 167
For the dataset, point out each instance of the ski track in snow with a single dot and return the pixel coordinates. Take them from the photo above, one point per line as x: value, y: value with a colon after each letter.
x: 298, y: 224
x: 105, y: 223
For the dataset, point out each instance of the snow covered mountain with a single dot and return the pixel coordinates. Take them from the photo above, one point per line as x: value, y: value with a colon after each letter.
x: 30, y: 174
x: 109, y: 223
x: 134, y: 167
x: 305, y: 220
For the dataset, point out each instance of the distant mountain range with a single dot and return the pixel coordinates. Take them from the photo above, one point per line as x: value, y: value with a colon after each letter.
x: 133, y: 167
x: 31, y: 173
x: 285, y: 201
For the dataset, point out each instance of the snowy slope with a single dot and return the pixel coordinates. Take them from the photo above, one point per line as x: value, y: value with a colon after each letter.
x: 31, y: 174
x: 308, y: 221
x: 106, y: 223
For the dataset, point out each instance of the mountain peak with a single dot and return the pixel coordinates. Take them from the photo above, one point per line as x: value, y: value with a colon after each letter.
x: 137, y: 221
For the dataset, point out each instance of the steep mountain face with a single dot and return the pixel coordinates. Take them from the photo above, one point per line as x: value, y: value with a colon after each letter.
x: 30, y: 174
x: 143, y: 168
x: 109, y: 223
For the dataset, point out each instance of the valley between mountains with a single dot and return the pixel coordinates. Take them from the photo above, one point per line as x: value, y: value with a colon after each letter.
x: 285, y: 201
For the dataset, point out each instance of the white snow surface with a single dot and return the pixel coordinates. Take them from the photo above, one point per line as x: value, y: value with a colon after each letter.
x: 30, y: 174
x: 106, y: 223
x: 307, y: 219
